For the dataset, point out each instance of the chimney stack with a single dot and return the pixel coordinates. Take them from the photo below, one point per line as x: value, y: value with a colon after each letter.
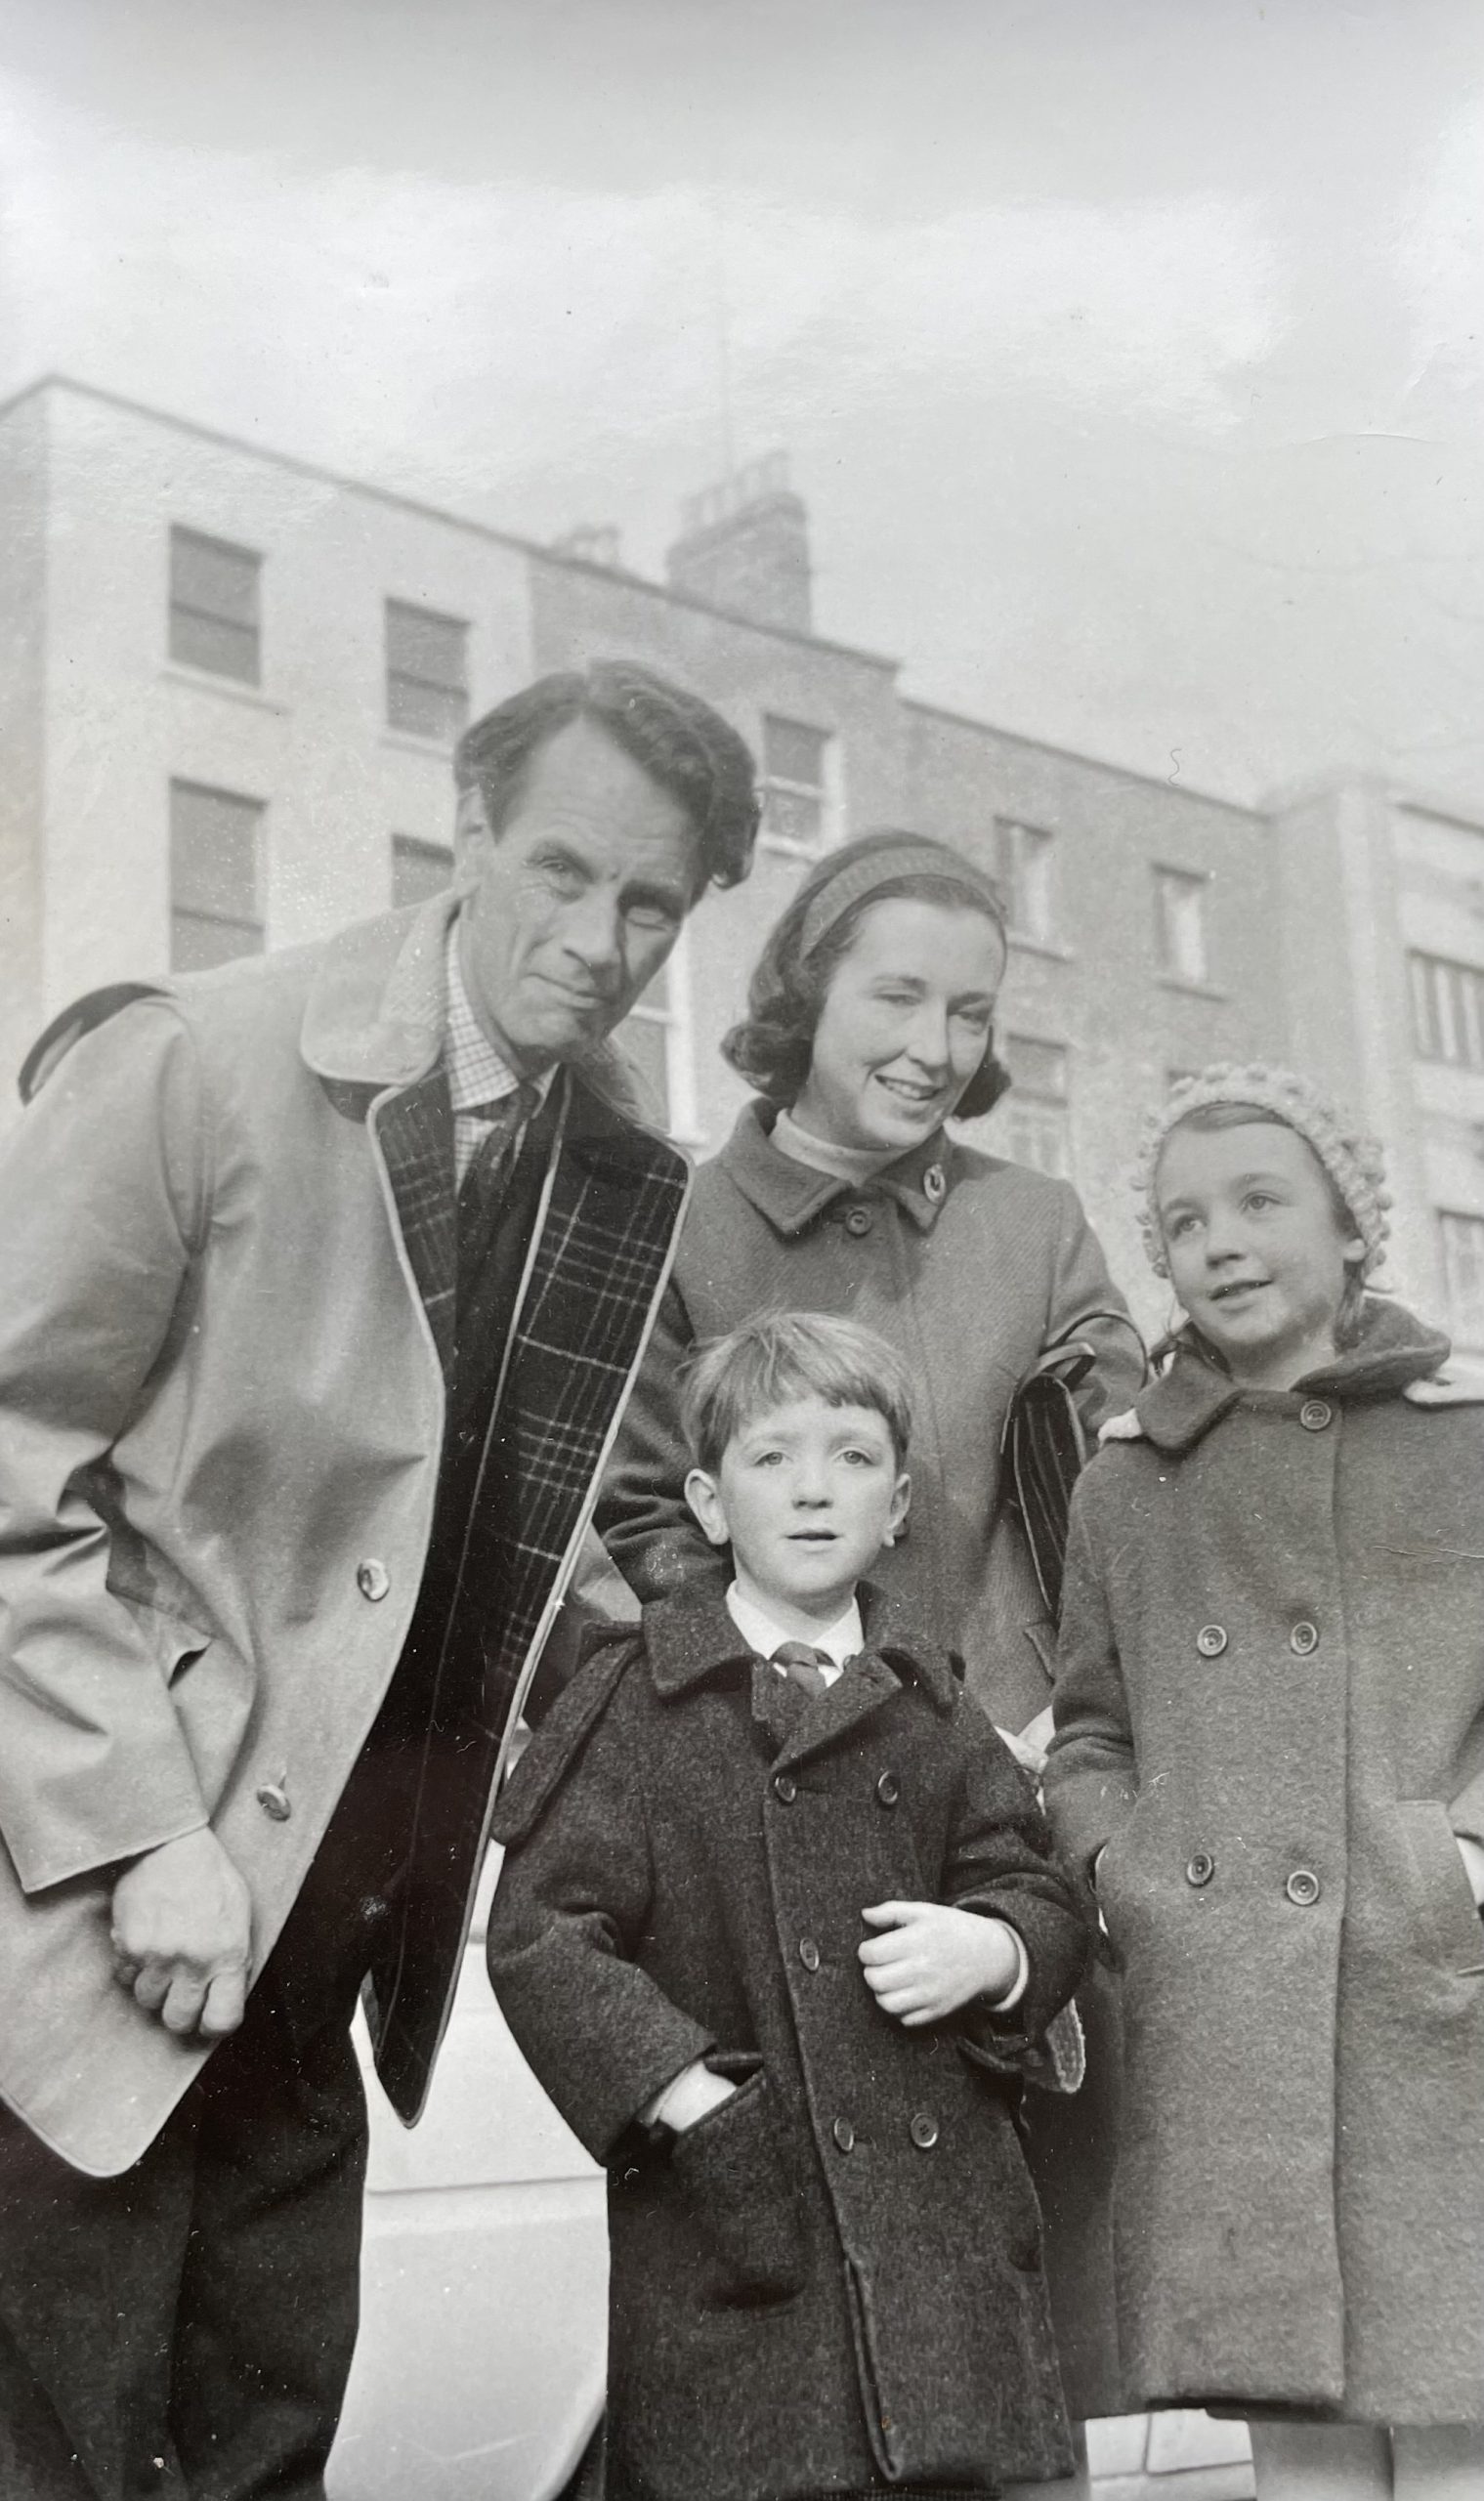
x: 592, y: 543
x: 745, y: 547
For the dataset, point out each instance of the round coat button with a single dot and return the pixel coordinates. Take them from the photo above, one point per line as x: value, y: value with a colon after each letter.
x: 809, y: 1954
x: 888, y: 1789
x: 923, y: 2131
x: 934, y: 1184
x: 273, y: 1797
x: 1211, y: 1640
x: 1303, y: 1640
x: 858, y: 1220
x: 1201, y: 1869
x: 372, y: 1579
x: 1303, y: 1888
x: 784, y: 1788
x: 844, y: 2136
x: 1315, y: 1414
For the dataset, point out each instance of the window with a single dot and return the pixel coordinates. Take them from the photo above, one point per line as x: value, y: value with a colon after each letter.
x: 795, y: 785
x: 419, y: 869
x: 1035, y: 1124
x: 655, y: 1035
x: 216, y: 876
x: 1024, y: 871
x: 1462, y: 1238
x: 1447, y: 1010
x: 1179, y: 902
x: 427, y: 672
x: 214, y: 606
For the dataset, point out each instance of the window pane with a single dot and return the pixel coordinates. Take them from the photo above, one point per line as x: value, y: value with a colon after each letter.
x: 219, y: 579
x: 644, y: 1041
x: 428, y: 711
x: 792, y: 751
x: 419, y: 869
x: 197, y: 943
x: 206, y: 642
x: 1024, y: 875
x: 214, y: 853
x: 420, y: 644
x: 1036, y: 1133
x: 793, y: 815
x: 1463, y: 1276
x: 1180, y: 924
x: 1447, y: 1010
x: 1037, y: 1067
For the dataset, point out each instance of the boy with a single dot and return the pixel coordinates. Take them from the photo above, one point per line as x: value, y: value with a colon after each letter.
x: 779, y: 1927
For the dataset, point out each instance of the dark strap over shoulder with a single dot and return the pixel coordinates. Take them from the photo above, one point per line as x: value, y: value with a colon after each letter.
x: 564, y: 1732
x: 94, y: 1008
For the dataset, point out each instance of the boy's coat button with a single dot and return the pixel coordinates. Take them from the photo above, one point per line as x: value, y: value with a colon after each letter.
x: 858, y: 1220
x: 888, y: 1789
x: 1303, y: 1640
x: 1201, y: 1869
x: 1211, y: 1640
x: 923, y: 2131
x: 1315, y: 1414
x: 1303, y: 1888
x: 844, y: 2136
x: 784, y: 1788
x: 809, y: 1954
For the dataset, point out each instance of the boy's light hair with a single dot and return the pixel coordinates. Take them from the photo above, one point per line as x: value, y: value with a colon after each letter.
x: 785, y: 1355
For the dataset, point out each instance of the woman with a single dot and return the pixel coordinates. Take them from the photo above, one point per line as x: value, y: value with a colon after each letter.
x: 869, y: 1027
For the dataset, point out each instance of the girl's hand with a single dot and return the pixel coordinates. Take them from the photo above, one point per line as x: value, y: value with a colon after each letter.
x: 930, y: 1960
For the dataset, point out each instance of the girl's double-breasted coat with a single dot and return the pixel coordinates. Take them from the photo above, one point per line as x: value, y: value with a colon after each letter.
x: 1271, y: 1724
x: 833, y: 2281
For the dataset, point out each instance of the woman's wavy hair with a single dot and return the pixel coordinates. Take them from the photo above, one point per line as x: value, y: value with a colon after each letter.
x: 773, y: 1046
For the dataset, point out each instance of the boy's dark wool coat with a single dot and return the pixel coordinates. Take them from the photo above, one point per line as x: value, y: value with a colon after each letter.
x: 833, y: 2281
x: 1271, y: 1710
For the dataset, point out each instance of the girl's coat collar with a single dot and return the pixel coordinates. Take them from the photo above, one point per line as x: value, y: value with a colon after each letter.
x: 1396, y: 1356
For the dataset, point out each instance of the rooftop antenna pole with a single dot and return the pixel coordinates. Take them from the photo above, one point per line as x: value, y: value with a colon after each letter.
x: 723, y: 320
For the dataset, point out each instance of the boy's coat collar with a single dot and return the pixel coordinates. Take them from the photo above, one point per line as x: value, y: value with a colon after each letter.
x: 691, y: 1636
x: 1396, y: 1356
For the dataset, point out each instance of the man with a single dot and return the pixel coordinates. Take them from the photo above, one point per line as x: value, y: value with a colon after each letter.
x: 323, y: 1281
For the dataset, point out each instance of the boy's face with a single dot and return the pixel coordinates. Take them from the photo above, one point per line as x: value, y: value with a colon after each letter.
x: 1257, y: 1255
x: 806, y: 1495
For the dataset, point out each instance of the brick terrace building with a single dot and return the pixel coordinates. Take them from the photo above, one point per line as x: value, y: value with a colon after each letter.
x: 230, y: 684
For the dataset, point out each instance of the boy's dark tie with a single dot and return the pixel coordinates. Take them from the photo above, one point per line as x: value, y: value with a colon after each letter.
x: 803, y: 1663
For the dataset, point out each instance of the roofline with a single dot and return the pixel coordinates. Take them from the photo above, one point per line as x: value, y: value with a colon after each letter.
x: 432, y: 512
x: 1078, y: 756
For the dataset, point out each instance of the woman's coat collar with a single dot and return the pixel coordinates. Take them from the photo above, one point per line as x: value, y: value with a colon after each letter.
x: 791, y: 1196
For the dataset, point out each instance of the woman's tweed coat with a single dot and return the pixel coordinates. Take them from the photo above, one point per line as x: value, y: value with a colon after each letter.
x: 970, y: 1267
x: 1271, y: 1711
x: 833, y: 2283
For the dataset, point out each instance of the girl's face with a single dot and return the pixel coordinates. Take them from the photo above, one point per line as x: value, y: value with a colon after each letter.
x: 904, y: 1025
x: 1256, y: 1252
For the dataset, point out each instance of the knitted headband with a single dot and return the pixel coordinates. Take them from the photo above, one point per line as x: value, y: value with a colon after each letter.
x: 915, y: 856
x: 1352, y: 1159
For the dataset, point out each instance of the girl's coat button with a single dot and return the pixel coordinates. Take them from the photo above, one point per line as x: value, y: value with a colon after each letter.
x: 1211, y: 1640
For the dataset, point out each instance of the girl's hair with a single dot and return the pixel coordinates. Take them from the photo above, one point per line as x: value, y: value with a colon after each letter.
x: 1235, y: 1115
x: 778, y: 1357
x: 772, y: 1047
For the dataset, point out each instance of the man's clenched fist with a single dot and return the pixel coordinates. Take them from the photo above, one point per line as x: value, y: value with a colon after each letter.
x: 182, y: 1933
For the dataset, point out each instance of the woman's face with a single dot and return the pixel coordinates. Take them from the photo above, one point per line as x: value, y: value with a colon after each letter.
x: 905, y: 1024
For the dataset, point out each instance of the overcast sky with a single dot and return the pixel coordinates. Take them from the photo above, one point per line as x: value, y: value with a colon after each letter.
x: 1129, y: 352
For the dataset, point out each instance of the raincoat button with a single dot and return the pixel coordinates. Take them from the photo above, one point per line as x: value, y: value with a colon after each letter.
x: 1211, y: 1640
x: 809, y: 1954
x: 923, y: 2131
x: 372, y: 1579
x: 784, y: 1788
x: 858, y: 1220
x: 1303, y: 1888
x: 1315, y: 1414
x: 273, y: 1797
x: 1201, y: 1869
x: 1303, y: 1640
x: 888, y: 1789
x: 844, y: 2136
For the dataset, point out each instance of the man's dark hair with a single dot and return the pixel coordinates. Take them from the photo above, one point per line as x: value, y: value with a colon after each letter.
x: 678, y: 741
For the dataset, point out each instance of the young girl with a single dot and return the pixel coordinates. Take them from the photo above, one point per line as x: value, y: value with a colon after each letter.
x: 1270, y: 1757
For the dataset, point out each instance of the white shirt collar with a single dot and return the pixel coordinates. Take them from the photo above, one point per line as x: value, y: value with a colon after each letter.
x: 762, y: 1633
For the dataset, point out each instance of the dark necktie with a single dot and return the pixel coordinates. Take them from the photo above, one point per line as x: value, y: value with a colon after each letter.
x: 803, y: 1663
x: 479, y: 1188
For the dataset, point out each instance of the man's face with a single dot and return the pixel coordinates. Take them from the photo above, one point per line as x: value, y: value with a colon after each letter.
x: 573, y: 906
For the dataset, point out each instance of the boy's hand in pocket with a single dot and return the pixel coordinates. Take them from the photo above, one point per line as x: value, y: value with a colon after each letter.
x: 928, y: 1959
